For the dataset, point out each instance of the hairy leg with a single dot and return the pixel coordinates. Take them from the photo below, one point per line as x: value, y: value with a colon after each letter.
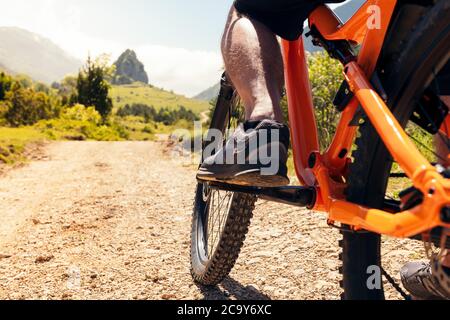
x: 254, y: 63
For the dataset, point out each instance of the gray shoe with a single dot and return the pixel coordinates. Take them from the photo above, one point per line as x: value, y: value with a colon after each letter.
x: 255, y: 155
x: 418, y: 279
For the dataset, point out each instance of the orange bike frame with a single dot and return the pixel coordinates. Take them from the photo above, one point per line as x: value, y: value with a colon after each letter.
x: 327, y: 172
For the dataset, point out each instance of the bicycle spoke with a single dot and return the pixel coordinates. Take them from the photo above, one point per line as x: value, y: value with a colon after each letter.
x: 211, y: 231
x: 220, y: 205
x: 216, y: 218
x: 426, y: 148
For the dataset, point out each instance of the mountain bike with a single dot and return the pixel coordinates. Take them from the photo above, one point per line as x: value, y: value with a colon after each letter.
x: 391, y: 116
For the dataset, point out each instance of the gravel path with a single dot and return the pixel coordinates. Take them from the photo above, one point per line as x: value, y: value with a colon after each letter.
x: 111, y: 220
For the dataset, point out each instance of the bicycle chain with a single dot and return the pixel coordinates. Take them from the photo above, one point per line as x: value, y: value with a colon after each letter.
x: 395, y: 285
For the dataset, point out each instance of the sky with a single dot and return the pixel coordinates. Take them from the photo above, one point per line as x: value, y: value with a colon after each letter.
x: 177, y: 40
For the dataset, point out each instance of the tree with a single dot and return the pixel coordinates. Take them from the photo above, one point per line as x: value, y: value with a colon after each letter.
x: 5, y: 85
x: 19, y: 110
x: 93, y: 89
x: 42, y: 106
x: 24, y: 80
x: 41, y: 87
x: 26, y: 107
x: 67, y: 90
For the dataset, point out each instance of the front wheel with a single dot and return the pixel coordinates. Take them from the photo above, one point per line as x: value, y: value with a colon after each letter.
x: 221, y: 219
x: 220, y: 225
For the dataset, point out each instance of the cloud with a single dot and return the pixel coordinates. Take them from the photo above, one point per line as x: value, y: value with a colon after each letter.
x: 185, y: 71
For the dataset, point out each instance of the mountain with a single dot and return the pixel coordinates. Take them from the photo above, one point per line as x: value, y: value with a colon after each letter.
x: 344, y: 12
x: 22, y: 51
x: 129, y: 69
x: 209, y: 94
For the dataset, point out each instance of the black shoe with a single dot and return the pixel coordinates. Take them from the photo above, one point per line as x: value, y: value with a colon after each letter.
x: 418, y: 279
x: 255, y: 155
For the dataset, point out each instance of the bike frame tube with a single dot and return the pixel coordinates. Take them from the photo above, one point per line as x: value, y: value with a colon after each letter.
x: 301, y: 109
x: 336, y: 157
x: 394, y: 137
x: 327, y: 172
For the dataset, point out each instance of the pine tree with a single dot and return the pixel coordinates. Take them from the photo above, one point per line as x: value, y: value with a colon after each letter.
x: 93, y: 89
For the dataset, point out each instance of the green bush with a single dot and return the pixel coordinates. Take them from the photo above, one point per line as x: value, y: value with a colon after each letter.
x: 148, y: 129
x: 81, y: 113
x: 82, y: 123
x: 326, y: 76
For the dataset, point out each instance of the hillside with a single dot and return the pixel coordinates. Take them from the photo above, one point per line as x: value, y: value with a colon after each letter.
x: 138, y: 93
x: 28, y: 53
x: 209, y: 93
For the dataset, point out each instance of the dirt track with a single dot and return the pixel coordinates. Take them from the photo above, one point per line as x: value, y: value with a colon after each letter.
x: 96, y: 220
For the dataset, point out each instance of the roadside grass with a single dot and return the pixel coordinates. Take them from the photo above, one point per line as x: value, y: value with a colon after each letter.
x: 141, y: 130
x: 13, y: 143
x: 158, y: 98
x: 79, y: 130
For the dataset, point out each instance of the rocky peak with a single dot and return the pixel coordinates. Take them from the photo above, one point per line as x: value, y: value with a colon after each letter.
x: 129, y: 69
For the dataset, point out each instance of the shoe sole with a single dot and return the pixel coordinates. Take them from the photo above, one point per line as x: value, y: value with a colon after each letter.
x: 252, y: 178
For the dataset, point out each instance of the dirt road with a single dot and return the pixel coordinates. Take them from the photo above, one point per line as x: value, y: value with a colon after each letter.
x: 96, y: 220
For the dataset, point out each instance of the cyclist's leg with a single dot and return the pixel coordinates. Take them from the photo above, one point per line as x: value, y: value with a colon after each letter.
x: 254, y: 64
x: 252, y: 53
